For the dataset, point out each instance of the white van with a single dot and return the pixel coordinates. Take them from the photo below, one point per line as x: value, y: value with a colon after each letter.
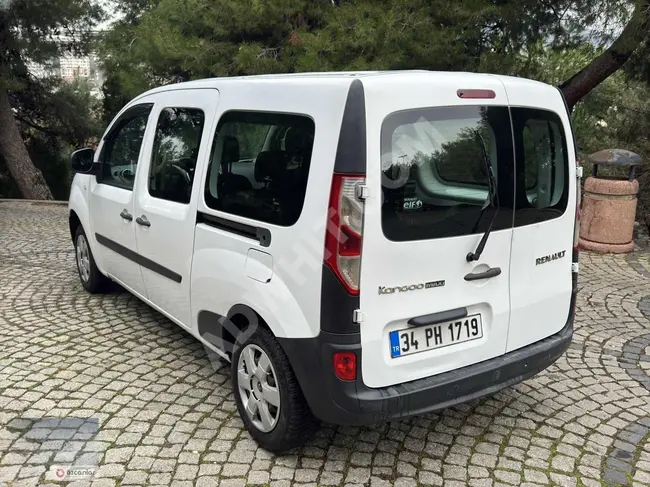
x: 361, y: 246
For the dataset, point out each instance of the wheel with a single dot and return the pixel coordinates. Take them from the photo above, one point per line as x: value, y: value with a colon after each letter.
x: 268, y: 396
x: 92, y: 280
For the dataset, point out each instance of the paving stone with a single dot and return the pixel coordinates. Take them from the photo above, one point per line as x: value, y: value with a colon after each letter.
x: 563, y: 463
x: 535, y: 476
x: 429, y: 478
x: 512, y: 478
x: 134, y: 477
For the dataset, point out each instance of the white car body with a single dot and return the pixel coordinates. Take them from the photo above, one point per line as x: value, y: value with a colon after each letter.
x: 206, y: 268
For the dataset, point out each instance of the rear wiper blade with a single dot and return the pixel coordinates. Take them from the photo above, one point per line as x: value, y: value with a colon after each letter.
x: 493, y: 197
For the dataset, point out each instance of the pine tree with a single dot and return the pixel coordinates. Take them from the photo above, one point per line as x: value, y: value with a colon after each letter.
x: 37, y: 31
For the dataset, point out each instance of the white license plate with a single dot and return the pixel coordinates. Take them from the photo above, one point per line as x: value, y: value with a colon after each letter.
x: 413, y: 340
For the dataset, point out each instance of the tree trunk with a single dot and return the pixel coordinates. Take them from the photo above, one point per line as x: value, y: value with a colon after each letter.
x: 28, y: 178
x: 585, y: 80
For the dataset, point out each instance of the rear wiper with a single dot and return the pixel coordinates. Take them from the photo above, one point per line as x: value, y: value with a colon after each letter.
x: 494, y: 201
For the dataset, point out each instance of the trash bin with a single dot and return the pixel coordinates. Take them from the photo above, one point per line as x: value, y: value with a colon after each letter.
x: 609, y: 204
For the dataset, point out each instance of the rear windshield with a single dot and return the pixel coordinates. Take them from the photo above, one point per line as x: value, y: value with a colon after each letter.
x: 436, y: 164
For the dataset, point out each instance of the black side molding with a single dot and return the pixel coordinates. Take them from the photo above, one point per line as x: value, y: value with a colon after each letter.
x: 262, y: 235
x: 433, y: 318
x: 138, y: 259
x: 351, y: 150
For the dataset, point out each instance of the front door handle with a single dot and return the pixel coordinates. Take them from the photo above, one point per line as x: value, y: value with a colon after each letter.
x: 126, y: 215
x: 493, y: 272
x: 142, y: 220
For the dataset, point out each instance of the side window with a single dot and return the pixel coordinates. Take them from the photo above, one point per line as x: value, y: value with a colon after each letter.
x: 175, y: 150
x: 260, y: 166
x: 121, y: 148
x: 542, y: 165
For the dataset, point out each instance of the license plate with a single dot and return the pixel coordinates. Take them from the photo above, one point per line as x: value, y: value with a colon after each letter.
x: 414, y: 340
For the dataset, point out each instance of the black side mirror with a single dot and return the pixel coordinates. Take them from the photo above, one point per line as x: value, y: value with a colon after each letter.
x: 81, y: 161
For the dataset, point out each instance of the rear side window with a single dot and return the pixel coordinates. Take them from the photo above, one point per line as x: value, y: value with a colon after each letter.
x: 435, y: 171
x: 541, y: 148
x: 175, y: 150
x: 260, y: 165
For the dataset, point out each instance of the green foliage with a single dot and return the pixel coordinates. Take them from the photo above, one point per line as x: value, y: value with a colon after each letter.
x: 166, y: 41
x: 53, y: 116
x: 615, y: 115
x: 49, y: 154
x: 66, y: 110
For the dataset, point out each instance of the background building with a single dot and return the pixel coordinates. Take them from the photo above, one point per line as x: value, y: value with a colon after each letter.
x: 70, y: 68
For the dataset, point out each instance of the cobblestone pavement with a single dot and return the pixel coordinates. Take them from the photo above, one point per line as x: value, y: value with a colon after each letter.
x: 105, y: 381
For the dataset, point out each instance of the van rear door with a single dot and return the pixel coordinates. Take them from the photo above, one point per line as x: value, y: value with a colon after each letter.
x: 545, y: 213
x: 431, y: 146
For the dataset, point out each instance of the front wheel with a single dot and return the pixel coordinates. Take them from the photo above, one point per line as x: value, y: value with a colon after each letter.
x: 268, y: 396
x: 91, y: 278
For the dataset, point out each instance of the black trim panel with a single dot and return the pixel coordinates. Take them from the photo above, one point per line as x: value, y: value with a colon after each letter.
x: 222, y: 331
x: 138, y: 259
x: 211, y: 328
x: 431, y: 319
x: 337, y: 305
x: 354, y: 403
x: 351, y: 150
x: 262, y: 235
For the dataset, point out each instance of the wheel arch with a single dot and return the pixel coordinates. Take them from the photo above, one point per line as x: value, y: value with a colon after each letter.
x: 222, y: 331
x: 74, y: 222
x: 79, y: 216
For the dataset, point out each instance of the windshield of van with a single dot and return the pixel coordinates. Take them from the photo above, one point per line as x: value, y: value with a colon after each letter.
x: 435, y: 174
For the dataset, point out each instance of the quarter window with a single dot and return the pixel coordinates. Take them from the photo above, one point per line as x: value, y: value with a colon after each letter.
x: 260, y: 165
x: 121, y: 149
x: 175, y: 151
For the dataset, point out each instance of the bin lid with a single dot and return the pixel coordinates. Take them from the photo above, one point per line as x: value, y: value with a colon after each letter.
x: 615, y: 157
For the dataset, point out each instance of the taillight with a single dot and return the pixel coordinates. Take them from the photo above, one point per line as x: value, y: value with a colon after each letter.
x: 345, y: 365
x: 344, y: 231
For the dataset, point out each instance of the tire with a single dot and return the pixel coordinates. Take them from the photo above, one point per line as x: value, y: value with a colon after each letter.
x: 91, y: 278
x: 293, y: 423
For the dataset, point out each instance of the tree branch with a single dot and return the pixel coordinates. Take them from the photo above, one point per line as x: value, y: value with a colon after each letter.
x: 38, y: 127
x: 601, y: 67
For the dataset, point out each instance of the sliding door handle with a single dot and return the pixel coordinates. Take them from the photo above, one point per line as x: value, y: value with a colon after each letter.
x: 126, y: 215
x: 493, y: 272
x: 142, y: 220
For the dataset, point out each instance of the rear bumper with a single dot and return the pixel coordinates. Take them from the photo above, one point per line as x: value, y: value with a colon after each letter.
x: 353, y: 403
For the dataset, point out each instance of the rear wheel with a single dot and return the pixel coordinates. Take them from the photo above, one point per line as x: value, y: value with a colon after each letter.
x: 91, y: 278
x: 268, y: 396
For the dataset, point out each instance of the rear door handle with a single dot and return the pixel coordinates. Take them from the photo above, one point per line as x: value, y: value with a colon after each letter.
x: 493, y: 272
x: 142, y: 220
x: 126, y: 215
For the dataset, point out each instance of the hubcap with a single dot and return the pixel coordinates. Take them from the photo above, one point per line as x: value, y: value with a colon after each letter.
x: 258, y: 388
x: 83, y: 258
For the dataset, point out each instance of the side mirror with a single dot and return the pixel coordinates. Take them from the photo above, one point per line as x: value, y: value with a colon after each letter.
x: 81, y: 161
